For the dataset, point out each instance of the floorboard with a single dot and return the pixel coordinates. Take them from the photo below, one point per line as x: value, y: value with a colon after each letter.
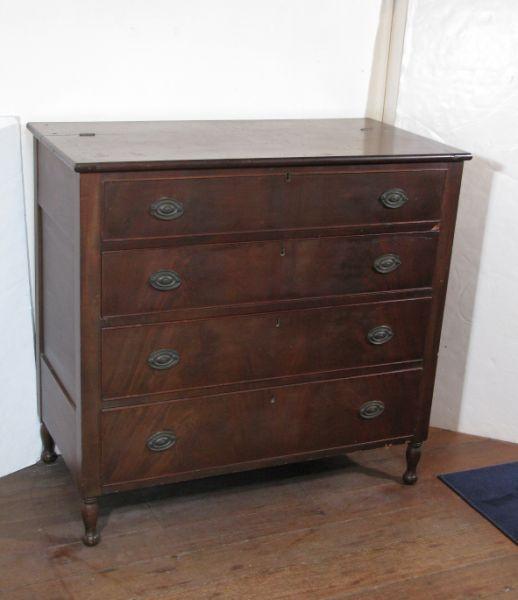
x: 330, y: 529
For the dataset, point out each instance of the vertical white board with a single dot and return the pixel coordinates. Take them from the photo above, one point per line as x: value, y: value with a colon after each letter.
x: 19, y: 438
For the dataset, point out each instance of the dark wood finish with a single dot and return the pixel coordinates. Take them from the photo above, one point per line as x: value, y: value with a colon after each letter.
x: 440, y: 284
x: 59, y: 227
x: 239, y: 386
x: 249, y: 308
x: 413, y: 455
x: 240, y: 236
x: 334, y: 528
x: 58, y: 415
x: 287, y: 269
x: 48, y: 454
x: 90, y: 513
x: 230, y: 429
x: 242, y: 467
x: 272, y: 200
x: 275, y: 291
x: 57, y: 307
x: 141, y: 146
x: 234, y: 349
x: 90, y: 310
x: 38, y: 272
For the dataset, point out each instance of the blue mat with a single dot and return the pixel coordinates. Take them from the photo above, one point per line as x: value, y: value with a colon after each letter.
x: 493, y: 492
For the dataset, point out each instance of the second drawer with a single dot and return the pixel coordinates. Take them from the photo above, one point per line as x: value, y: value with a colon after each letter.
x: 222, y: 350
x: 151, y: 280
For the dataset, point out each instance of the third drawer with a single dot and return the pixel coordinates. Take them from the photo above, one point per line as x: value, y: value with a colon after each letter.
x: 227, y: 350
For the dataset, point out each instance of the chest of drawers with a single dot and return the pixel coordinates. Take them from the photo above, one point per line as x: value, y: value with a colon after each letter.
x: 220, y: 296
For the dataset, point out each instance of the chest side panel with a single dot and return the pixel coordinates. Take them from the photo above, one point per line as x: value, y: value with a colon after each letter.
x: 57, y: 300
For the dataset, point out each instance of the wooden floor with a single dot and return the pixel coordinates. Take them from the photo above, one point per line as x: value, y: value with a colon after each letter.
x: 341, y: 528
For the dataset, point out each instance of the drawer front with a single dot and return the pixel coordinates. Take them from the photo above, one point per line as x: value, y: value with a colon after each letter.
x: 221, y: 350
x: 274, y: 201
x: 200, y: 433
x: 143, y: 281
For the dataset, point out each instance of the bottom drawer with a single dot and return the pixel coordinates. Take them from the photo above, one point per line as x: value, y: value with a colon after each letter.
x: 169, y: 438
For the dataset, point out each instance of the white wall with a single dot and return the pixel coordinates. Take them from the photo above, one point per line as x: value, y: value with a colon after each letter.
x: 196, y: 59
x: 19, y: 444
x: 65, y: 60
x: 459, y: 84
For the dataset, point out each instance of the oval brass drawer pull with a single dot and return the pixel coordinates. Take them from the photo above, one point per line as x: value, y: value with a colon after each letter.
x: 380, y: 335
x: 163, y: 359
x: 371, y: 409
x: 394, y: 198
x: 161, y: 440
x: 386, y: 263
x: 165, y: 280
x: 166, y: 209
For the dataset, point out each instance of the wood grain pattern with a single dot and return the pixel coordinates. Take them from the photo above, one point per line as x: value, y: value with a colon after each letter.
x: 140, y: 146
x: 58, y: 228
x: 227, y: 274
x: 335, y: 528
x: 57, y: 299
x: 234, y: 349
x: 119, y: 402
x: 440, y: 283
x: 89, y: 319
x: 48, y: 453
x: 58, y: 413
x: 271, y: 200
x: 237, y: 428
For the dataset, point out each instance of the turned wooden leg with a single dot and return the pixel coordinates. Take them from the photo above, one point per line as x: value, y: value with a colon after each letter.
x: 90, y: 512
x: 413, y: 454
x: 48, y: 454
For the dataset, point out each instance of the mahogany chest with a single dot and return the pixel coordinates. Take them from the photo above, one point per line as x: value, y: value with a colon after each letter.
x: 225, y: 295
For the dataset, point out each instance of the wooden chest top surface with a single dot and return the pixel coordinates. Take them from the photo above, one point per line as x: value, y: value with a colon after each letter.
x: 134, y: 146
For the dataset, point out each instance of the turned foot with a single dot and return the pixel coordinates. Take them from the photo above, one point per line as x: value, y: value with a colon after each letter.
x: 413, y: 454
x: 48, y: 454
x: 90, y: 512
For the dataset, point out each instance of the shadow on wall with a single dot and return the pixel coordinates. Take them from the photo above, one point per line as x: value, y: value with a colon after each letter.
x: 462, y: 289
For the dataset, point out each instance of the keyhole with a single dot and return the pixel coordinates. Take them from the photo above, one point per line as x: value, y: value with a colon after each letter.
x: 288, y: 177
x: 283, y: 250
x: 273, y: 399
x: 277, y: 322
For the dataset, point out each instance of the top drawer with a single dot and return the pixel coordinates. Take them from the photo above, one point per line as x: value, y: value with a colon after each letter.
x: 208, y: 204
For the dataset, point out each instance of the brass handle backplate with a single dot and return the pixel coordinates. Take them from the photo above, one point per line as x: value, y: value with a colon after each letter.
x: 386, y: 263
x: 371, y: 409
x: 166, y: 209
x: 380, y: 335
x: 163, y: 359
x: 165, y: 280
x: 394, y: 198
x: 161, y: 440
